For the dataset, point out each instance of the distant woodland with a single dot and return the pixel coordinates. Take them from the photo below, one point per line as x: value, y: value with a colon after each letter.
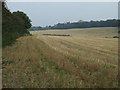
x: 14, y: 25
x: 80, y: 24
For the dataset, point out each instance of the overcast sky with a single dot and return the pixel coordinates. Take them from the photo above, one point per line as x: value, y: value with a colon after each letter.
x: 49, y: 13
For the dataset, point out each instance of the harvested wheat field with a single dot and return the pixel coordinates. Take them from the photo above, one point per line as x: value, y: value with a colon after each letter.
x: 50, y: 59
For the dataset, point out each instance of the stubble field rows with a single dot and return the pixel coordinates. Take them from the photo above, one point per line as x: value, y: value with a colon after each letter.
x: 86, y: 58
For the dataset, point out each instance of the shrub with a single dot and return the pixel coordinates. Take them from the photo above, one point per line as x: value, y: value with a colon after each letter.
x: 115, y: 37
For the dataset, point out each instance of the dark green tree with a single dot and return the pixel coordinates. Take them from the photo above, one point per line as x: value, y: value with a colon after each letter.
x: 13, y: 25
x: 24, y: 19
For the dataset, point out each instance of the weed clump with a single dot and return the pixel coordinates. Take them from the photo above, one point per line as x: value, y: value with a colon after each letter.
x: 115, y: 37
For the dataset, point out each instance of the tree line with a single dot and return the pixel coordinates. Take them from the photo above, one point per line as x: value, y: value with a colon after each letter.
x: 86, y: 24
x: 80, y: 24
x: 14, y: 25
